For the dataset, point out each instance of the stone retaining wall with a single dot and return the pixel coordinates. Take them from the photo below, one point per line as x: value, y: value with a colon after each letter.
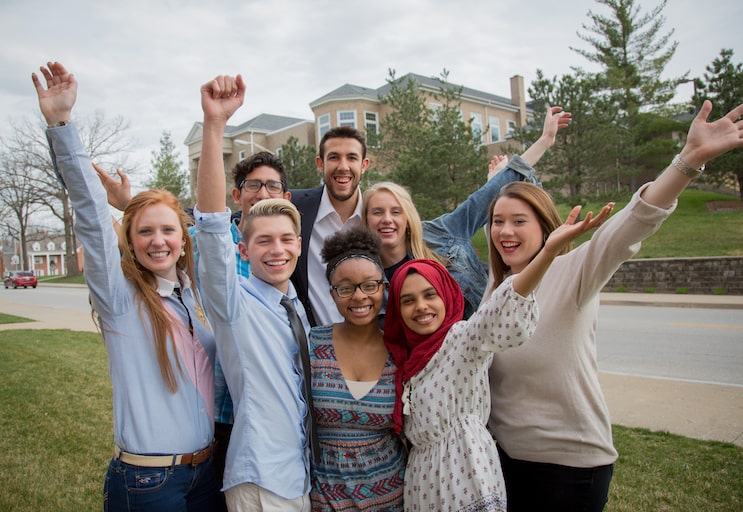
x: 672, y: 275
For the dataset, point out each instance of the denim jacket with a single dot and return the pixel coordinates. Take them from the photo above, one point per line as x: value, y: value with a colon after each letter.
x: 450, y: 235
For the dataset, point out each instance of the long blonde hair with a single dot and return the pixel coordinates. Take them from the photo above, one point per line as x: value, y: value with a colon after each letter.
x: 416, y: 246
x: 545, y: 210
x: 145, y: 281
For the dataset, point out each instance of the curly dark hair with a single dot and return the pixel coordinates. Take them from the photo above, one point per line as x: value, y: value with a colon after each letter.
x: 349, y: 243
x: 244, y: 167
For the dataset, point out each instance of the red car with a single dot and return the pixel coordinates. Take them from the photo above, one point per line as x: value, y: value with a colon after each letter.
x: 23, y: 278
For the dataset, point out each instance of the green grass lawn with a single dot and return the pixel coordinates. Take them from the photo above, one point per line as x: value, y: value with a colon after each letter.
x: 12, y: 319
x: 63, y: 279
x: 691, y: 231
x: 56, y: 438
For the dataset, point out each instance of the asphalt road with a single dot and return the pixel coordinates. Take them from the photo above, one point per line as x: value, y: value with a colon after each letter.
x: 688, y: 344
x: 694, y: 344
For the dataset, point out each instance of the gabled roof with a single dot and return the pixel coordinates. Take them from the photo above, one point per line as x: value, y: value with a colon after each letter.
x: 265, y: 123
x: 350, y: 92
x: 262, y: 123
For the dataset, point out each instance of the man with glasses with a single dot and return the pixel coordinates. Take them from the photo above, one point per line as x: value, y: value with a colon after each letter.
x: 258, y: 177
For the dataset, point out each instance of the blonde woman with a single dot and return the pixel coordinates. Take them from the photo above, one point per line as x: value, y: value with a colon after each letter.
x: 388, y: 211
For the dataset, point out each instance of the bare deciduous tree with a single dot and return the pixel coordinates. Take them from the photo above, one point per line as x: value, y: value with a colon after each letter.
x: 106, y: 141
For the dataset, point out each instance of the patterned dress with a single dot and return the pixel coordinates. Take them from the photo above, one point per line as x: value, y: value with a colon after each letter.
x: 453, y: 463
x: 362, y: 461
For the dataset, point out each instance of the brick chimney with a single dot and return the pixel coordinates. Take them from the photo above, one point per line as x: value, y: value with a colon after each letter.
x: 518, y: 98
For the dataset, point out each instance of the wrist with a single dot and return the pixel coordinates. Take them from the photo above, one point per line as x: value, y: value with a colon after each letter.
x: 690, y: 167
x: 56, y: 124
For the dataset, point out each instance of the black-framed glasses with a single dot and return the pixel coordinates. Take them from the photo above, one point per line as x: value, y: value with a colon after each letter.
x: 272, y: 186
x: 368, y: 287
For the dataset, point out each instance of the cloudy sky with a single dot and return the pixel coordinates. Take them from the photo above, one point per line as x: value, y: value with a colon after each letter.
x: 145, y: 60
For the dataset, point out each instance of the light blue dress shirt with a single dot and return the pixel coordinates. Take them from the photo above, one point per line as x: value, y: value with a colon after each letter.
x: 260, y: 360
x: 222, y: 399
x: 148, y: 418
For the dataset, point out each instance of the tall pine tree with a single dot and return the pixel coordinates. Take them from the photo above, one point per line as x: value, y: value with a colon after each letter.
x: 168, y: 174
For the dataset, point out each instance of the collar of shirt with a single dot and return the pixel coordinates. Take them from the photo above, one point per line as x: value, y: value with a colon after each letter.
x: 165, y: 287
x: 272, y: 295
x: 326, y: 207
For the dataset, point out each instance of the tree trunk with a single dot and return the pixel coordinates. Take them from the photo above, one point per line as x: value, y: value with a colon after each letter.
x: 70, y: 241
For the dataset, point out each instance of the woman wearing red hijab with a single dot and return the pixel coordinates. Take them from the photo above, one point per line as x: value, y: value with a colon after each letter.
x: 442, y: 381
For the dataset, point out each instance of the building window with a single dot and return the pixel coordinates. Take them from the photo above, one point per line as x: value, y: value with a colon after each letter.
x: 347, y: 118
x: 494, y: 129
x: 476, y: 125
x: 323, y: 125
x: 241, y: 155
x: 510, y: 128
x: 371, y: 125
x: 50, y: 246
x: 36, y: 247
x: 434, y: 109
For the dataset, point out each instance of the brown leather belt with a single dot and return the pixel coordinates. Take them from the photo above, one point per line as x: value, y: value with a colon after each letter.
x: 157, y: 461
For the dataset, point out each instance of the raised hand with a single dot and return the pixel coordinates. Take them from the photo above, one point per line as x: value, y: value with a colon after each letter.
x: 570, y: 229
x: 496, y: 165
x: 221, y: 97
x: 555, y: 120
x: 57, y: 100
x: 706, y: 141
x: 119, y: 193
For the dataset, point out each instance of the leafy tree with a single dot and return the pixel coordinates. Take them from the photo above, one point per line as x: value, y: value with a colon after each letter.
x: 299, y: 162
x: 723, y: 85
x: 431, y: 152
x: 633, y: 53
x: 168, y: 173
x: 105, y: 141
x: 584, y: 158
x: 632, y: 50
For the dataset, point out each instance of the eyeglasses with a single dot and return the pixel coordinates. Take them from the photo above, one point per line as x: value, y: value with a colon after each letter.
x: 368, y: 287
x: 272, y: 186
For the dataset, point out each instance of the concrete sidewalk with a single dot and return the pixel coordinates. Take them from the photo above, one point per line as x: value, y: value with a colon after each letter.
x: 697, y: 410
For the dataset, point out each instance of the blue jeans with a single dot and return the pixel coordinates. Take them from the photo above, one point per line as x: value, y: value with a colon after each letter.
x: 541, y: 486
x: 163, y: 489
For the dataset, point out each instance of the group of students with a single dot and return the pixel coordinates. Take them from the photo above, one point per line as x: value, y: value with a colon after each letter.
x: 434, y: 382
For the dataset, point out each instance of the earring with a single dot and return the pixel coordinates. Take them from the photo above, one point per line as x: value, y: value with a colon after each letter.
x: 183, y: 252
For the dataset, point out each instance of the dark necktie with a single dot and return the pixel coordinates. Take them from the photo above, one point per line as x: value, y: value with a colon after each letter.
x: 304, y: 353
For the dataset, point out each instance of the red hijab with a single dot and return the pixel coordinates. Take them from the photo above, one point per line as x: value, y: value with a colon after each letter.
x: 411, y: 351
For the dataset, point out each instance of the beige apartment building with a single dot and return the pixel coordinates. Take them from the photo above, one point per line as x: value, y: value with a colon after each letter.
x: 493, y: 116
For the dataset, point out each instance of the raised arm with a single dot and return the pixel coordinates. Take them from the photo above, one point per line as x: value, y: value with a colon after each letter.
x: 704, y: 142
x: 220, y: 98
x: 554, y: 120
x: 94, y: 230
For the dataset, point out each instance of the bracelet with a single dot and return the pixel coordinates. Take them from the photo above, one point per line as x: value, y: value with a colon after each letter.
x: 61, y: 123
x: 685, y: 168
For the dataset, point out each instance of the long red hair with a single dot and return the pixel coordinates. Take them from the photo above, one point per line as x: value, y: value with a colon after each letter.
x: 145, y: 281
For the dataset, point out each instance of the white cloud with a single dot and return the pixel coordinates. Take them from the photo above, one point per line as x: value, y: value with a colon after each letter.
x: 145, y: 60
